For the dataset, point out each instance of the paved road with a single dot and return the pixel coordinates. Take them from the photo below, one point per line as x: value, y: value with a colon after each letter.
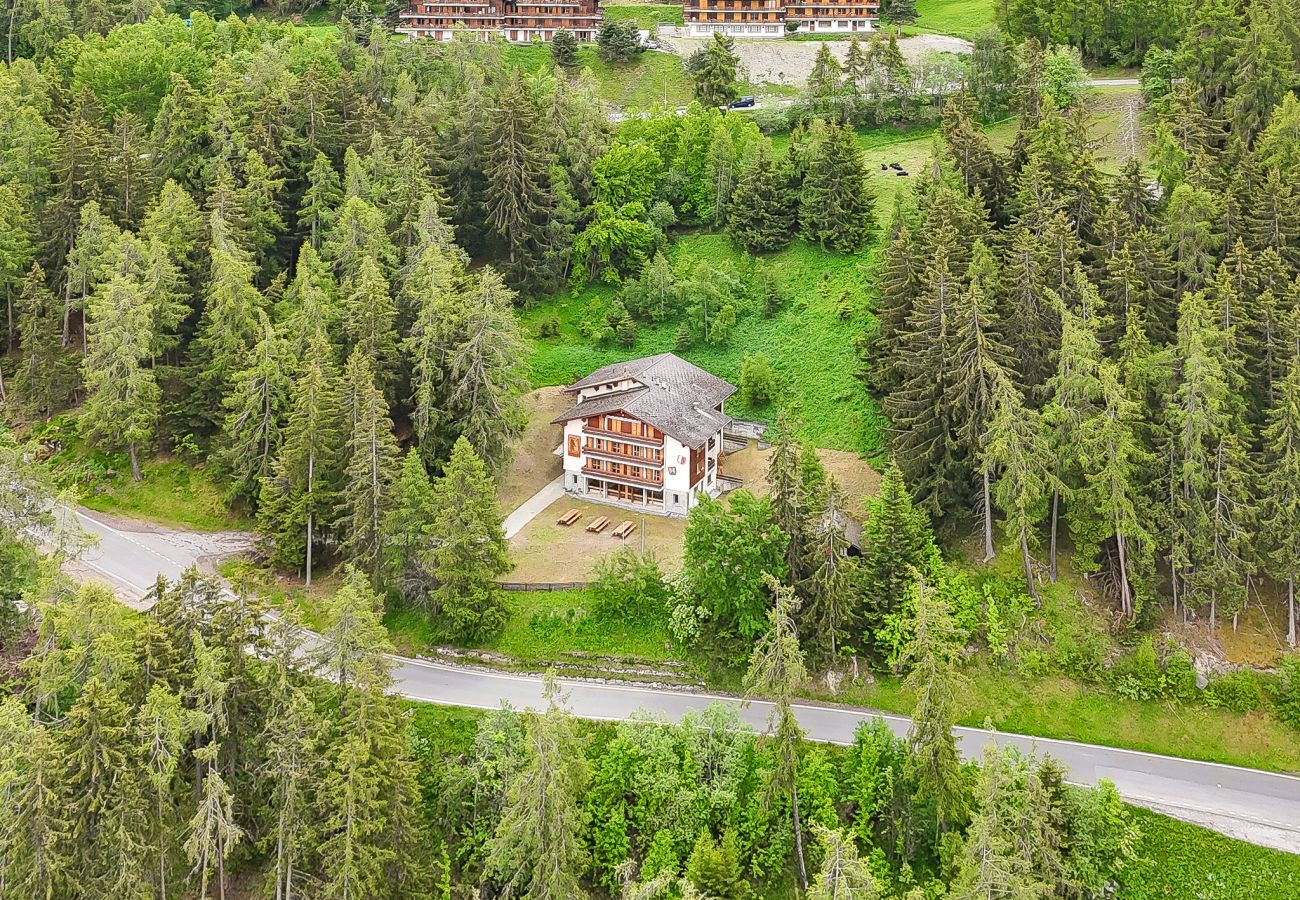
x: 1261, y: 807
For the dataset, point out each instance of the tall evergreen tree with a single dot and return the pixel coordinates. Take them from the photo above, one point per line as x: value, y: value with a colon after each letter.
x: 776, y: 670
x: 122, y: 394
x: 837, y: 207
x: 256, y: 407
x: 1280, y: 492
x: 372, y: 466
x: 896, y: 541
x: 469, y: 546
x: 538, y: 851
x: 47, y: 374
x: 761, y: 215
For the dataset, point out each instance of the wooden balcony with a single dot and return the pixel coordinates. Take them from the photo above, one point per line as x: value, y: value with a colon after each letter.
x: 623, y: 436
x: 625, y: 478
x: 622, y: 456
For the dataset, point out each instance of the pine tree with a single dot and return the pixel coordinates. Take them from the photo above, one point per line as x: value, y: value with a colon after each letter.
x: 537, y: 850
x: 899, y: 13
x: 162, y: 726
x: 47, y: 375
x: 309, y: 312
x: 1262, y: 69
x: 776, y: 670
x: 931, y: 659
x: 898, y: 285
x: 122, y: 395
x: 406, y: 528
x: 792, y: 510
x: 469, y: 546
x: 87, y: 263
x: 129, y: 168
x: 371, y: 469
x: 34, y: 820
x: 213, y: 832
x: 761, y: 215
x: 837, y: 207
x: 824, y: 86
x: 300, y: 499
x: 256, y: 407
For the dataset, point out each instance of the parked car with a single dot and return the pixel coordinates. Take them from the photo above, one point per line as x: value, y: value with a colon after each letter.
x: 741, y: 103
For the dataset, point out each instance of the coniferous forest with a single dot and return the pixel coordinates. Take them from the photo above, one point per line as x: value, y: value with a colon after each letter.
x: 302, y: 263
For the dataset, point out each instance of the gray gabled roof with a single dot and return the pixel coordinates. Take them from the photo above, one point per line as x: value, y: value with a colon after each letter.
x: 674, y: 396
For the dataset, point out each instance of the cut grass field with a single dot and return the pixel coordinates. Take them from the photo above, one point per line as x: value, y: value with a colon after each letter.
x: 546, y: 552
x: 648, y: 80
x: 960, y: 18
x: 808, y: 341
x: 645, y: 15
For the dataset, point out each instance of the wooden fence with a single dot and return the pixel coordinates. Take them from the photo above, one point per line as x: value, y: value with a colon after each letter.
x: 543, y: 585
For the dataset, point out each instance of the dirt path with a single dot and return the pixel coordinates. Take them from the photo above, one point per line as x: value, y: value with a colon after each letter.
x: 790, y: 62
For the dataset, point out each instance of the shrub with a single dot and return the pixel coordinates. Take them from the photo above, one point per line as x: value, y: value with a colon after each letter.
x: 757, y: 380
x: 1286, y: 692
x: 628, y: 587
x: 1241, y: 691
x: 1180, y: 676
x: 1137, y: 675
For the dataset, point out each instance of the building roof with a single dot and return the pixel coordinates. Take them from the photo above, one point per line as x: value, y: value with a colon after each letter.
x: 671, y: 394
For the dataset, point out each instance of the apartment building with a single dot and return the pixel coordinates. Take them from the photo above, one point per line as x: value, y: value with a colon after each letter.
x: 514, y: 20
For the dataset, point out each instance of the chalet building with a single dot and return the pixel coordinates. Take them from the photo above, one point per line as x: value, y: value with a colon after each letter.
x: 738, y: 18
x: 514, y: 20
x: 773, y: 18
x: 831, y: 17
x: 645, y: 433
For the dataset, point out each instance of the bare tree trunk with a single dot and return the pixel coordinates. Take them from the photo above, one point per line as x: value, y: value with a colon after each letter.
x: 1051, y: 558
x: 135, y: 462
x: 989, y: 552
x: 1125, y: 593
x: 311, y: 516
x: 1290, y: 609
x: 798, y: 836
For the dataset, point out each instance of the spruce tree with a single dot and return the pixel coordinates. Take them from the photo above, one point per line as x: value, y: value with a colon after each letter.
x: 843, y: 874
x: 406, y: 531
x: 896, y: 540
x: 122, y: 394
x: 370, y: 323
x: 832, y: 585
x: 320, y: 200
x: 538, y: 850
x: 47, y: 375
x: 17, y: 249
x: 776, y: 671
x: 371, y: 469
x: 469, y: 546
x: 256, y: 407
x: 931, y: 661
x: 761, y: 215
x: 299, y: 502
x: 228, y: 328
x: 714, y: 69
x: 564, y: 49
x: 1017, y: 449
x: 837, y: 207
x: 1280, y: 493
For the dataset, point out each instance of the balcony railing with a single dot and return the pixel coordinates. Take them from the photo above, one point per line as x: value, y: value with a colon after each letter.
x: 622, y: 435
x: 623, y: 456
x: 624, y: 477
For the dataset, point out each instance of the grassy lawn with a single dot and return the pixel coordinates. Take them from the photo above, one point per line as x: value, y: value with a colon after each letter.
x: 650, y: 79
x: 646, y: 15
x: 546, y: 552
x: 960, y: 18
x: 855, y: 476
x: 809, y: 342
x: 534, y: 463
x: 1179, y: 861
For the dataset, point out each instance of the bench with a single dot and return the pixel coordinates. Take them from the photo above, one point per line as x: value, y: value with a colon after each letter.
x: 624, y: 529
x: 598, y: 525
x: 568, y: 518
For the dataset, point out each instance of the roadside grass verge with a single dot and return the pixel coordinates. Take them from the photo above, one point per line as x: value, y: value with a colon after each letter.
x: 809, y: 341
x: 173, y: 492
x: 1178, y: 861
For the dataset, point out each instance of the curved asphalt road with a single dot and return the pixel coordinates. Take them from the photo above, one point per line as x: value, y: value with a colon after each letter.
x: 1260, y: 807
